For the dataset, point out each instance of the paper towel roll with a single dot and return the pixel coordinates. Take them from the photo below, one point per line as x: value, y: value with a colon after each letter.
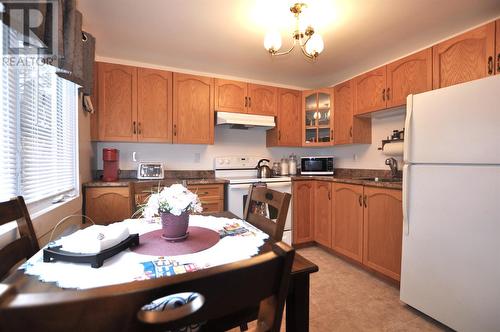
x: 393, y: 149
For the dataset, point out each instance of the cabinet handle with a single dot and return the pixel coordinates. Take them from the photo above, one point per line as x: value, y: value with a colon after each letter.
x: 331, y: 134
x: 364, y: 201
x: 383, y: 95
x: 388, y: 93
x: 279, y: 135
x: 498, y: 63
x: 490, y: 65
x: 249, y: 101
x: 135, y: 127
x: 175, y: 130
x: 139, y: 130
x: 360, y: 200
x: 350, y: 131
x: 329, y: 196
x: 246, y: 101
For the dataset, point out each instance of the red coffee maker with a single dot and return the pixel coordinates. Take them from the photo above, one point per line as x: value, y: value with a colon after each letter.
x: 110, y: 161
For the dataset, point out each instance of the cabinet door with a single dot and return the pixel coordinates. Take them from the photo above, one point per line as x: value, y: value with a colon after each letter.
x: 369, y: 91
x: 117, y: 102
x: 288, y: 122
x: 410, y: 75
x: 154, y: 105
x: 343, y: 112
x: 498, y: 46
x: 106, y: 205
x: 230, y: 96
x: 383, y: 231
x: 323, y: 213
x: 463, y: 58
x: 347, y: 226
x: 193, y: 109
x: 262, y: 99
x: 303, y: 211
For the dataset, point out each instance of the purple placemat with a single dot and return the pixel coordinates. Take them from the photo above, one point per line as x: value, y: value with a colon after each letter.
x: 199, y: 239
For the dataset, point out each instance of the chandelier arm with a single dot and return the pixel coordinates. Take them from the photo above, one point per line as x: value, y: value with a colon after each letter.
x: 285, y: 52
x: 303, y: 49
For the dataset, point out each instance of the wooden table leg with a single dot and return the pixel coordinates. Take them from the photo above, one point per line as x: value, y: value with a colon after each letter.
x: 297, y: 304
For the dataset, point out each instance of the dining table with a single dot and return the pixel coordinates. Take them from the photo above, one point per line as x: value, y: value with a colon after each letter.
x: 297, y: 302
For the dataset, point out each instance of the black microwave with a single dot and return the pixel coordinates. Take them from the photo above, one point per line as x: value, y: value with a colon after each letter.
x: 316, y: 165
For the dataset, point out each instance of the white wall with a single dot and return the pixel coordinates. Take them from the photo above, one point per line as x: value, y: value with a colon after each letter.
x: 368, y: 155
x: 252, y: 142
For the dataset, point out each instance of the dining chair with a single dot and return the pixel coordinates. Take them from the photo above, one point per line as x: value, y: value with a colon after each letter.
x: 222, y: 292
x: 263, y: 196
x: 23, y: 247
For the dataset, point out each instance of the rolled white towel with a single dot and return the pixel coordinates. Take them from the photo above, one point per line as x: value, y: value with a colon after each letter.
x: 94, y: 239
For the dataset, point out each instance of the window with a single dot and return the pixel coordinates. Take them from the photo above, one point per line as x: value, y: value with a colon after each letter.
x: 38, y: 123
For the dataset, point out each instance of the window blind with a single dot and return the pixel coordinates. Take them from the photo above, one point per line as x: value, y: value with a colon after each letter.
x: 38, y: 139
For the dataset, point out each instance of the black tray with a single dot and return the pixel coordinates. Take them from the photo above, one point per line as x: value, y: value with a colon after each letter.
x: 53, y: 254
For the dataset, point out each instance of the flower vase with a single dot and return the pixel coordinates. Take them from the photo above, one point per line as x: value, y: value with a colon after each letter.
x: 174, y: 227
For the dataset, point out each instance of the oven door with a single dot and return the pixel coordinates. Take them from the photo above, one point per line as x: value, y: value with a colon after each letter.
x: 238, y: 195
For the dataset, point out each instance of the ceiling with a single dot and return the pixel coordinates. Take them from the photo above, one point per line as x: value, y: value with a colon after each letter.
x: 225, y: 37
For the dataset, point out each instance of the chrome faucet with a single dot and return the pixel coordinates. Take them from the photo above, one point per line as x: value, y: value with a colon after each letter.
x: 393, y: 164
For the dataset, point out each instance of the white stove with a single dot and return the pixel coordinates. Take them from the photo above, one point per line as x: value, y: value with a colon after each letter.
x: 241, y: 172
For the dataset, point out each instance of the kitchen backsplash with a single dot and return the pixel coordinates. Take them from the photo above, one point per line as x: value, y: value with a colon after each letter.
x: 230, y: 142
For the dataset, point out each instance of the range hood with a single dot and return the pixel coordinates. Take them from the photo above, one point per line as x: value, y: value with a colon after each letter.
x: 244, y: 121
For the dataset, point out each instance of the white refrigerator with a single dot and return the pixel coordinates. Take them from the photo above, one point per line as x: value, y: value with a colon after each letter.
x: 451, y: 205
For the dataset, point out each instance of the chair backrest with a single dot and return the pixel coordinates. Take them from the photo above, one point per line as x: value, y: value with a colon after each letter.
x: 278, y: 200
x: 261, y: 281
x: 26, y: 245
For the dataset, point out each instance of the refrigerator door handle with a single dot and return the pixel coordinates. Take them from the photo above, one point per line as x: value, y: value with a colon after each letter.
x: 406, y: 201
x: 406, y: 142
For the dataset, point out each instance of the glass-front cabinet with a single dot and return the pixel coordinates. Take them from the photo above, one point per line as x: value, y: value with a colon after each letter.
x: 318, y: 117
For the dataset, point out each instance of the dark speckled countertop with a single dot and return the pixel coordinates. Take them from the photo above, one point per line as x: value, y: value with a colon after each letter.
x: 352, y: 176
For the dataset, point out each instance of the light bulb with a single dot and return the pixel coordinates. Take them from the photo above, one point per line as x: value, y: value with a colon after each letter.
x: 272, y: 41
x: 315, y: 45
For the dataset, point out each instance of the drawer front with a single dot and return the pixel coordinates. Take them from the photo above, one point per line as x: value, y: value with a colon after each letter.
x: 212, y: 206
x: 205, y: 192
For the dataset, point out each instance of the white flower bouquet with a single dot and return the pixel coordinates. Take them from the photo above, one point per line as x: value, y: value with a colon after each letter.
x: 175, y: 199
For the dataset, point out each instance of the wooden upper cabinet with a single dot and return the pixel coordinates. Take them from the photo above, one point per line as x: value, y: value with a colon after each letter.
x: 466, y: 57
x: 117, y: 102
x: 303, y: 211
x: 231, y: 96
x: 344, y: 112
x: 410, y: 75
x: 193, y: 116
x: 94, y: 118
x: 288, y: 130
x: 498, y: 47
x: 262, y: 99
x: 323, y: 213
x: 347, y: 225
x: 383, y: 231
x: 154, y: 108
x: 369, y: 91
x: 317, y: 117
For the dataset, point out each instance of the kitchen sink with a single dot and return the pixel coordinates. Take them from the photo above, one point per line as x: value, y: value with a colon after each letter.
x: 381, y: 179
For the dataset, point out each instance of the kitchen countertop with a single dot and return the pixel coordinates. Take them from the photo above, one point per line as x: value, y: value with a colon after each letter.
x: 388, y: 185
x: 128, y: 182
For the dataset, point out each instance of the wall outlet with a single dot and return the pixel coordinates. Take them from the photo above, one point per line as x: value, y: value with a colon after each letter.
x: 354, y: 157
x: 197, y: 157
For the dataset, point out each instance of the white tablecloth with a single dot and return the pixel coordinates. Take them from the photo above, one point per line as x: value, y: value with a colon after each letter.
x: 127, y: 265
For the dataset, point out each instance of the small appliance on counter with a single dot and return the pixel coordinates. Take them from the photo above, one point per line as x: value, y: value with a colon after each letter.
x: 263, y: 170
x: 111, y: 168
x: 150, y: 171
x: 320, y: 165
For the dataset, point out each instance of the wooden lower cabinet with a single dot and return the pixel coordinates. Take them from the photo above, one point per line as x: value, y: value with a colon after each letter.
x: 323, y: 213
x: 105, y: 205
x: 211, y: 196
x: 347, y: 221
x: 303, y: 211
x: 383, y: 231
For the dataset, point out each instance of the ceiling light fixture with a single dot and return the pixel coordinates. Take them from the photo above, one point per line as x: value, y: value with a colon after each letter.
x: 311, y: 43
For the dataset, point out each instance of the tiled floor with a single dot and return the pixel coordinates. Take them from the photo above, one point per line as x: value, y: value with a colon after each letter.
x: 346, y: 298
